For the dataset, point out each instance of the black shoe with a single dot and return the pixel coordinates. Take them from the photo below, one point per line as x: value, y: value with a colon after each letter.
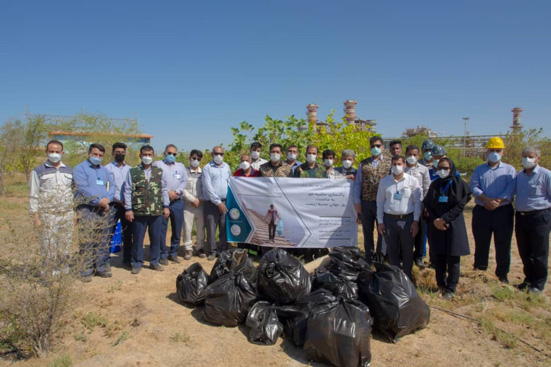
x: 163, y: 261
x: 432, y: 266
x: 157, y: 267
x: 419, y: 263
x: 201, y: 254
x: 522, y: 286
x: 174, y: 258
x: 503, y: 280
x: 104, y: 274
x: 127, y: 264
x: 136, y: 270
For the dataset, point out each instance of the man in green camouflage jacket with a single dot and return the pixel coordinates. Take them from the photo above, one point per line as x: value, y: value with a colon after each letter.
x: 146, y: 202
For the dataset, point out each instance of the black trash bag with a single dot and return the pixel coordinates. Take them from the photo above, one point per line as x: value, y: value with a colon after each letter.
x: 340, y: 287
x: 394, y: 303
x: 264, y: 324
x: 339, y: 332
x: 282, y: 278
x: 191, y: 285
x: 295, y: 317
x: 347, y: 262
x: 234, y: 260
x: 228, y: 300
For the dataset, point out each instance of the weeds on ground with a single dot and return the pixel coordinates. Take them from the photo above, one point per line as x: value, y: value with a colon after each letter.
x: 180, y: 337
x: 121, y: 338
x: 62, y: 361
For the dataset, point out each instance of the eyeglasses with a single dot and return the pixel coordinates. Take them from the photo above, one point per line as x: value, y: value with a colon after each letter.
x: 218, y: 153
x: 376, y: 146
x: 170, y: 153
x: 195, y: 159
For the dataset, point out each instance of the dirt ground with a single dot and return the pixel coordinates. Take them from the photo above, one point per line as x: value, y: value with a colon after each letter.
x: 137, y: 321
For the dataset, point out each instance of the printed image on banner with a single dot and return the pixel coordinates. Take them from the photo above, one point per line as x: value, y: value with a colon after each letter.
x: 291, y: 212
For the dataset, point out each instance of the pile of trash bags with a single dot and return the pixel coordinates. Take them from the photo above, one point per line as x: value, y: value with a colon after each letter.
x: 330, y: 313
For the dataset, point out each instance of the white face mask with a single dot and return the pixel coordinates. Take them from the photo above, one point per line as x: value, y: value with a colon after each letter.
x: 195, y: 163
x: 255, y: 154
x: 397, y: 170
x: 275, y: 157
x: 244, y: 165
x: 218, y: 159
x: 528, y: 162
x: 54, y: 157
x: 311, y: 158
x: 347, y: 163
x: 328, y: 162
x: 443, y: 173
x: 411, y: 159
x: 291, y: 156
x: 147, y: 160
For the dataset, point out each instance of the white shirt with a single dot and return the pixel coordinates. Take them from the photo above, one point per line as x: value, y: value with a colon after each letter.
x: 259, y: 162
x: 387, y: 201
x: 421, y: 173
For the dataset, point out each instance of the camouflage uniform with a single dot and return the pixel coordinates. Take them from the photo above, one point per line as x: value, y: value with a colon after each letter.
x: 146, y: 195
x: 281, y: 170
x: 303, y: 171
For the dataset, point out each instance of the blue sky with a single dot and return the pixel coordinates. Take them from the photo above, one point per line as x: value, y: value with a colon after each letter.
x: 190, y: 70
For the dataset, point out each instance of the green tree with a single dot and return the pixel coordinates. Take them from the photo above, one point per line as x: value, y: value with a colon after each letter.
x: 35, y: 133
x: 11, y: 138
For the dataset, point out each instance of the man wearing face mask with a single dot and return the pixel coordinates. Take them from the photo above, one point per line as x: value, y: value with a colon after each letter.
x: 292, y: 154
x: 275, y: 167
x: 533, y: 220
x: 370, y: 173
x: 119, y: 169
x: 95, y: 191
x: 398, y: 212
x: 245, y: 169
x: 421, y: 173
x: 347, y: 159
x: 328, y: 156
x: 147, y: 203
x: 51, y: 205
x: 493, y: 187
x: 310, y: 169
x: 426, y: 148
x: 215, y: 178
x: 193, y: 210
x: 176, y: 174
x: 256, y: 161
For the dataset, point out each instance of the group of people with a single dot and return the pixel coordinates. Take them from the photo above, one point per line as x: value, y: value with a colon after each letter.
x: 408, y: 197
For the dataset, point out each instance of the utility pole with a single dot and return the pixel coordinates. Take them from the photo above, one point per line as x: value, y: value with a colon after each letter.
x: 465, y: 120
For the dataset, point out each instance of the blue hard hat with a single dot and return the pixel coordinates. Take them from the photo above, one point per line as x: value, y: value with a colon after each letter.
x: 427, y: 144
x: 438, y: 150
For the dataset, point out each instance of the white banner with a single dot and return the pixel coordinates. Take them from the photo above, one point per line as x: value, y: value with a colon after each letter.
x: 291, y: 212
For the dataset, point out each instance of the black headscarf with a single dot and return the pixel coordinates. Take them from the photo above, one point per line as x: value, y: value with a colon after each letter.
x: 458, y: 190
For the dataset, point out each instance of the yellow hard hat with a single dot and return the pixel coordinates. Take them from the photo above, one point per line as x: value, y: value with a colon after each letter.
x: 495, y: 143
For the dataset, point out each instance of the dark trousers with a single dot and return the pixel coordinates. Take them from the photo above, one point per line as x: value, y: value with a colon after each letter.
x: 447, y: 271
x: 532, y: 232
x: 94, y: 235
x: 499, y: 223
x: 369, y: 219
x: 213, y: 220
x: 176, y: 224
x: 399, y: 242
x: 420, y: 239
x: 140, y: 226
x: 126, y: 227
x: 271, y: 230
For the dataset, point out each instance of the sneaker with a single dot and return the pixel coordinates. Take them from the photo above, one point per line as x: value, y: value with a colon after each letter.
x: 104, y: 274
x: 419, y: 263
x: 188, y: 254
x: 211, y: 257
x: 136, y: 270
x: 163, y: 261
x: 201, y: 254
x: 503, y: 280
x: 534, y: 290
x: 86, y: 279
x: 157, y: 267
x: 448, y: 296
x: 174, y: 258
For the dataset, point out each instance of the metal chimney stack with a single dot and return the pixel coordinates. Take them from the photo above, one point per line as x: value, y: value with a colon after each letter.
x: 517, y: 126
x: 350, y: 111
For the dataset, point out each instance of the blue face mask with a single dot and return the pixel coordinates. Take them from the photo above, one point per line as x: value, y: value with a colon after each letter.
x: 428, y: 156
x: 494, y: 157
x: 169, y: 158
x: 435, y: 162
x: 96, y: 161
x: 375, y: 151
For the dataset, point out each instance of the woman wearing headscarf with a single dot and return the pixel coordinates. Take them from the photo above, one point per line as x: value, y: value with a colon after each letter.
x: 445, y: 202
